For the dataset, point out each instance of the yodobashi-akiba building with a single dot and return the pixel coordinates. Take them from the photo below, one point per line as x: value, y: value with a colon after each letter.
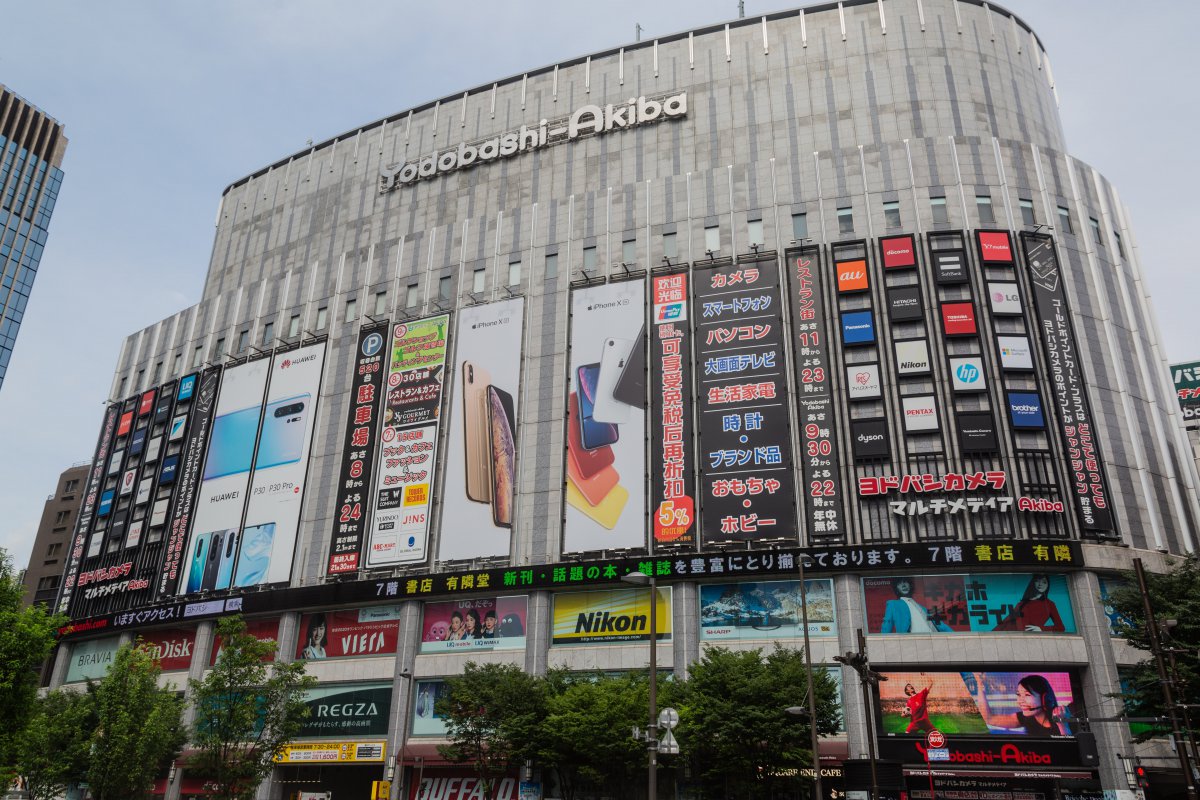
x: 824, y: 283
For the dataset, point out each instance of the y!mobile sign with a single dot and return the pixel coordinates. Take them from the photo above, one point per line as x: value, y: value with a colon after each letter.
x: 672, y: 482
x: 416, y: 372
x: 358, y: 452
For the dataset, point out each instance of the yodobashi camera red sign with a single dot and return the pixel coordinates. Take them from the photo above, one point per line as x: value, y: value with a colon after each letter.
x: 995, y: 247
x: 898, y: 252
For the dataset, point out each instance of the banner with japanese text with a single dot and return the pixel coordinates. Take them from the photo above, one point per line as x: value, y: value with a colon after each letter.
x: 972, y: 603
x: 672, y: 465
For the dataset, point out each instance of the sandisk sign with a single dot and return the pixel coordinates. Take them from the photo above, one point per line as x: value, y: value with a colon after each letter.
x: 585, y: 121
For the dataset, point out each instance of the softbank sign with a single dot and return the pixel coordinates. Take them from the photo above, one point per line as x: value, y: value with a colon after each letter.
x: 586, y: 120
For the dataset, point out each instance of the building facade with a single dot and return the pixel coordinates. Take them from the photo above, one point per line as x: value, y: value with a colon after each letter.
x: 43, y: 576
x: 825, y: 284
x: 32, y: 146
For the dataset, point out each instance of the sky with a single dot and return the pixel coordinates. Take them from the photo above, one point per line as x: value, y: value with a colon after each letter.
x: 165, y: 104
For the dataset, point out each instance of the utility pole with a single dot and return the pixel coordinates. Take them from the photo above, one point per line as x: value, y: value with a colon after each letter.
x: 637, y: 31
x: 869, y: 678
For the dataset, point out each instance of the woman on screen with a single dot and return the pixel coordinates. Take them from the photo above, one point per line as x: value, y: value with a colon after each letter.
x: 314, y: 643
x: 1038, y: 713
x: 1035, y: 611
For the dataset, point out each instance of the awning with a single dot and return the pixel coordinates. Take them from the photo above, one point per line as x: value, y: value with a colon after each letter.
x: 188, y: 786
x: 1027, y: 774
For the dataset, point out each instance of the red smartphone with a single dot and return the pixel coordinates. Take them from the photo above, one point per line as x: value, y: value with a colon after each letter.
x: 586, y: 462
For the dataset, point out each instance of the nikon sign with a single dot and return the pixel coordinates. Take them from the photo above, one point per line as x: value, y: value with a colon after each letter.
x: 586, y: 121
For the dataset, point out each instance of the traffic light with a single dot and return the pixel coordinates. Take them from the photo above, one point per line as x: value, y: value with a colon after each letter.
x: 1143, y: 779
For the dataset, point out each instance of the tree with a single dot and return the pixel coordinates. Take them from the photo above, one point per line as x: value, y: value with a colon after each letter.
x: 26, y: 638
x: 586, y: 738
x: 1175, y: 598
x: 493, y: 716
x: 733, y: 727
x: 139, y: 727
x: 55, y: 750
x: 246, y: 712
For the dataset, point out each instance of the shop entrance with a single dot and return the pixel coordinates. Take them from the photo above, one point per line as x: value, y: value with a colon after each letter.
x: 342, y: 781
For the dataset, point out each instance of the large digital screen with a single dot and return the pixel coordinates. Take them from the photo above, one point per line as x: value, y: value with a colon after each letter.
x: 481, y: 623
x: 348, y: 633
x: 766, y: 610
x: 976, y: 603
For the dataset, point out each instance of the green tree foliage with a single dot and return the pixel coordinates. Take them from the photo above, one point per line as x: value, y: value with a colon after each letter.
x: 1174, y: 596
x: 587, y: 733
x: 733, y: 728
x: 26, y: 638
x: 246, y: 712
x: 55, y: 750
x: 139, y: 728
x: 493, y: 716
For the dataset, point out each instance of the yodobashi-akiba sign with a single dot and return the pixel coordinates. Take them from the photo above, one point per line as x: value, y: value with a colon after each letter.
x: 585, y: 121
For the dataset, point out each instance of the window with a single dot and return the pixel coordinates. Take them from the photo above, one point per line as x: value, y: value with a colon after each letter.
x: 70, y: 486
x: 322, y: 317
x: 177, y: 364
x: 198, y: 356
x: 938, y: 206
x: 219, y: 353
x: 47, y: 583
x: 754, y: 233
x: 54, y: 550
x: 799, y: 227
x: 141, y: 377
x: 1120, y: 244
x: 514, y: 273
x: 121, y: 388
x: 156, y: 376
x: 445, y: 287
x: 891, y: 214
x: 1095, y: 223
x: 1027, y: 216
x: 629, y: 251
x: 983, y: 204
x: 294, y: 326
x: 351, y: 309
x: 380, y: 303
x: 410, y: 295
x: 268, y: 334
x: 551, y: 265
x: 1064, y: 221
x: 61, y: 517
x: 478, y: 280
x: 670, y: 245
x: 845, y: 218
x: 243, y: 340
x: 712, y: 238
x: 589, y: 257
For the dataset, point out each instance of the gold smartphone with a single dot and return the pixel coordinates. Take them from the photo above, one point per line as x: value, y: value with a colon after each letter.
x: 477, y: 455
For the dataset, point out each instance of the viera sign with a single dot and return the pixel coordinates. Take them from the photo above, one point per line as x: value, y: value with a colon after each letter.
x: 586, y: 121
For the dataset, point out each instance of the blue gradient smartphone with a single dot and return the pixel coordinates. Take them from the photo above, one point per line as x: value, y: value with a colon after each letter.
x: 591, y: 433
x: 254, y: 555
x: 196, y: 570
x: 282, y: 440
x: 232, y: 446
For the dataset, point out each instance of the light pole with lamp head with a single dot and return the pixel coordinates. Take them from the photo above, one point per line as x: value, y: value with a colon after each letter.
x: 811, y: 711
x: 640, y: 578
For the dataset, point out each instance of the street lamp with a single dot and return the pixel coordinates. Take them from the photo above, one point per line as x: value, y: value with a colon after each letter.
x: 869, y: 679
x: 404, y: 675
x: 805, y: 561
x: 640, y: 578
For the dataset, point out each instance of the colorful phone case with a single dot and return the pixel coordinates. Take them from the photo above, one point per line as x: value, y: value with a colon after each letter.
x: 587, y: 462
x: 607, y: 512
x: 595, y: 488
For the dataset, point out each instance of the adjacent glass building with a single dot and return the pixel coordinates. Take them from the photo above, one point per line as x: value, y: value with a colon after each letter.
x: 32, y: 145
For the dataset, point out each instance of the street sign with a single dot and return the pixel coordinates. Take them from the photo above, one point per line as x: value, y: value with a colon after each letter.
x: 935, y: 739
x: 668, y: 718
x: 668, y: 744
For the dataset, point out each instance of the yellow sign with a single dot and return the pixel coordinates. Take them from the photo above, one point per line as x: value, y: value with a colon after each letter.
x: 381, y: 790
x: 609, y: 615
x: 333, y: 752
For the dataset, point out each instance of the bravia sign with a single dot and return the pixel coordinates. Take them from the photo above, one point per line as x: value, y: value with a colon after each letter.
x: 585, y: 121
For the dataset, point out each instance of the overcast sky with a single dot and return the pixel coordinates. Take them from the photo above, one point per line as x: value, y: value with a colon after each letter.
x: 166, y: 103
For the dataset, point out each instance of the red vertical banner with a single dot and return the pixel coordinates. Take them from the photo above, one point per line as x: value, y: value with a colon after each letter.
x: 672, y: 475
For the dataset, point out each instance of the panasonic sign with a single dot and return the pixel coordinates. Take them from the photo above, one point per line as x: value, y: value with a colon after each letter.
x: 585, y: 121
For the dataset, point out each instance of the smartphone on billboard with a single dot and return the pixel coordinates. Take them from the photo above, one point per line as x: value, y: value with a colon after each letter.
x: 196, y: 568
x: 595, y: 488
x: 476, y: 458
x: 225, y: 565
x: 282, y: 440
x: 631, y: 385
x: 503, y: 455
x: 254, y: 555
x: 612, y: 363
x: 232, y: 445
x: 587, y: 462
x: 592, y: 434
x: 212, y: 560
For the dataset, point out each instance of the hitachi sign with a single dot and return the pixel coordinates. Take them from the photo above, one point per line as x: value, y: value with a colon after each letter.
x: 586, y: 120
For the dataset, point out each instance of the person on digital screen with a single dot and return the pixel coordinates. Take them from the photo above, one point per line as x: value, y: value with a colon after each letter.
x: 315, y: 641
x: 457, y: 631
x: 906, y: 615
x: 1038, y: 713
x: 489, y: 625
x: 474, y: 627
x: 916, y: 707
x: 1035, y: 611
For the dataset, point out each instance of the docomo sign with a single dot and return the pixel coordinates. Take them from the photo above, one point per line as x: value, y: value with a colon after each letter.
x: 585, y: 121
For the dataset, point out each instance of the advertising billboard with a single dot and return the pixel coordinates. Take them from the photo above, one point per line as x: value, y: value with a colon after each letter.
x: 816, y: 411
x: 1004, y: 299
x: 898, y: 252
x: 481, y: 453
x: 904, y: 303
x: 1039, y: 704
x: 851, y: 276
x: 975, y: 603
x: 966, y: 374
x: 1186, y: 378
x: 995, y: 247
x: 768, y: 610
x: 920, y: 413
x: 606, y: 420
x: 1070, y: 397
x: 672, y: 437
x: 212, y: 544
x: 347, y: 709
x: 609, y: 615
x: 912, y: 357
x: 173, y: 647
x: 862, y: 382
x: 977, y: 432
x: 1015, y: 353
x: 958, y: 319
x: 858, y: 328
x: 425, y: 719
x: 469, y: 626
x: 747, y: 488
x: 187, y: 479
x: 353, y: 504
x: 408, y: 441
x: 262, y: 628
x: 869, y: 439
x: 267, y: 542
x: 92, y: 499
x: 949, y: 266
x: 348, y: 633
x: 91, y: 659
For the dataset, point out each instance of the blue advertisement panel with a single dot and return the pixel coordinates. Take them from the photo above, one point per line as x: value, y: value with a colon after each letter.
x: 765, y: 610
x: 974, y: 603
